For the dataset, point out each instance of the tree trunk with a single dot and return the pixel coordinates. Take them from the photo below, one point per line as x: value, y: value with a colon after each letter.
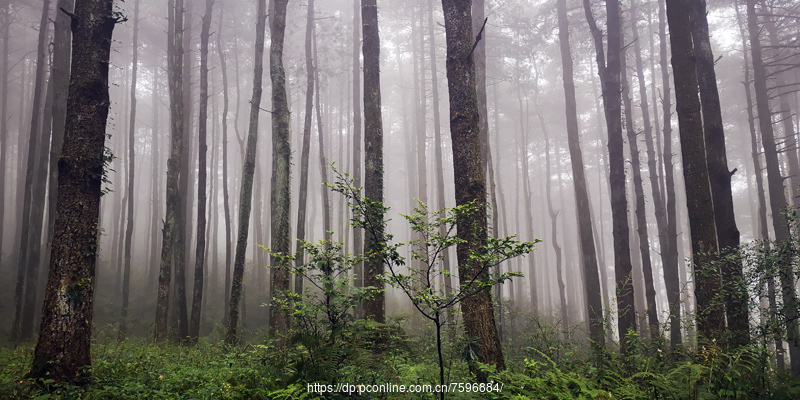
x: 734, y: 286
x: 281, y: 154
x: 777, y: 197
x: 609, y: 71
x: 438, y: 163
x: 358, y: 242
x: 469, y: 179
x: 594, y: 302
x: 155, y: 199
x: 62, y: 351
x: 306, y: 150
x: 22, y: 330
x: 225, y: 196
x: 173, y: 223
x: 373, y: 160
x: 248, y: 169
x: 669, y: 255
x: 640, y: 209
x: 710, y: 317
x: 126, y: 274
x: 199, y: 269
x: 6, y: 15
x: 323, y: 162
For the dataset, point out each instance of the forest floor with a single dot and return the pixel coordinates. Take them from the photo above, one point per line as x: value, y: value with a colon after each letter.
x: 545, y: 367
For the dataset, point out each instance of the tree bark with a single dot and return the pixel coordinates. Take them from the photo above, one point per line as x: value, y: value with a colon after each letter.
x: 248, y: 170
x: 470, y: 183
x: 373, y: 156
x: 62, y: 351
x: 280, y: 200
x: 594, y: 302
x: 323, y: 162
x: 225, y: 197
x: 358, y: 242
x: 6, y: 15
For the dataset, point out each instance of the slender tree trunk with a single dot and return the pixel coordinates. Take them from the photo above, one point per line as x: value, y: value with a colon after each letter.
x: 373, y: 150
x: 609, y: 71
x: 469, y: 178
x: 777, y: 197
x: 62, y: 352
x: 669, y: 255
x: 640, y: 209
x: 199, y: 269
x: 438, y: 163
x: 173, y: 223
x: 225, y: 196
x: 126, y: 274
x: 594, y: 302
x: 248, y: 170
x: 358, y: 242
x: 155, y: 198
x: 22, y: 331
x: 4, y: 136
x: 306, y: 149
x: 323, y: 162
x: 281, y: 154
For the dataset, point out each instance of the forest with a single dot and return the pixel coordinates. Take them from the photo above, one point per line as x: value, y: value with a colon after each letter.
x: 501, y: 199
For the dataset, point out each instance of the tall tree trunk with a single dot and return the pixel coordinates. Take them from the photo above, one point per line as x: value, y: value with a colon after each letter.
x: 358, y: 242
x: 640, y: 209
x: 710, y: 317
x: 763, y: 225
x: 21, y: 329
x: 126, y: 274
x: 594, y: 302
x: 469, y: 179
x: 669, y: 255
x: 199, y: 269
x: 4, y: 136
x: 438, y: 163
x: 248, y: 169
x: 225, y: 196
x: 777, y: 197
x: 62, y: 352
x: 554, y: 232
x: 173, y: 223
x: 373, y: 158
x: 323, y: 162
x: 609, y: 71
x: 281, y: 154
x: 306, y: 150
x: 734, y: 286
x: 155, y: 198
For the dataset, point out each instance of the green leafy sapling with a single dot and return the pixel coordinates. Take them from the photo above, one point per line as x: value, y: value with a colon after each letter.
x: 431, y: 302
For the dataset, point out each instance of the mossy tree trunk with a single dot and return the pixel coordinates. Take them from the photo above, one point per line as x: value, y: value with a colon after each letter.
x: 62, y: 352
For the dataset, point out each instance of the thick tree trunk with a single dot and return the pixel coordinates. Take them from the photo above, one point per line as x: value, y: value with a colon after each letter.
x: 126, y: 274
x: 173, y: 223
x: 373, y: 160
x: 248, y: 170
x: 594, y: 302
x: 469, y: 178
x: 710, y: 316
x: 280, y: 200
x: 734, y: 286
x: 777, y: 197
x: 609, y: 71
x: 200, y: 253
x: 62, y: 351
